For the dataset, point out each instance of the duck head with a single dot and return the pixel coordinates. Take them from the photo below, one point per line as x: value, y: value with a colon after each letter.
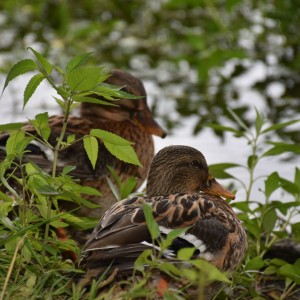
x: 133, y: 110
x: 182, y: 169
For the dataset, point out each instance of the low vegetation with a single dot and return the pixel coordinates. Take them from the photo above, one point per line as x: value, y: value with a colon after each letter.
x: 31, y: 260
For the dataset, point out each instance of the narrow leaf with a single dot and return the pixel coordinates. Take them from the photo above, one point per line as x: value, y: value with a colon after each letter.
x: 91, y: 147
x: 151, y: 223
x: 92, y: 100
x: 31, y: 87
x: 280, y: 148
x: 42, y: 62
x: 258, y: 122
x: 280, y: 125
x: 19, y: 68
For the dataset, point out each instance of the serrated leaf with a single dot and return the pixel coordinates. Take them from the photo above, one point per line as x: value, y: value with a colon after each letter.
x: 113, y: 92
x: 109, y: 137
x: 78, y: 98
x: 91, y: 147
x: 19, y: 68
x: 272, y: 183
x: 5, y: 207
x: 32, y: 86
x: 280, y: 125
x: 71, y: 138
x: 83, y: 79
x: 42, y: 62
x: 88, y: 190
x: 77, y: 61
x: 41, y: 125
x: 123, y: 153
x: 42, y: 186
x: 11, y: 126
x: 13, y: 140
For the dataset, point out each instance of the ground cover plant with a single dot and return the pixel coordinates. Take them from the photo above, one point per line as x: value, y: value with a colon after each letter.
x: 31, y: 263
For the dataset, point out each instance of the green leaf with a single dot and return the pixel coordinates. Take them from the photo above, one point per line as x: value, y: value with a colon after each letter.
x: 218, y: 170
x: 252, y: 161
x: 91, y: 147
x: 128, y: 187
x: 113, y: 92
x: 113, y: 188
x: 5, y: 207
x: 84, y: 79
x: 123, y: 153
x: 258, y: 122
x: 19, y: 68
x: 11, y: 126
x: 109, y: 137
x: 296, y: 230
x: 280, y: 148
x: 13, y: 140
x: 211, y: 272
x: 224, y: 128
x: 151, y: 223
x: 185, y: 253
x: 41, y: 125
x: 77, y: 61
x: 291, y: 271
x: 297, y: 177
x: 42, y: 186
x: 280, y: 125
x: 88, y: 190
x: 238, y: 119
x: 255, y: 263
x: 269, y: 220
x: 31, y: 87
x: 272, y: 183
x: 42, y: 62
x: 289, y: 186
x: 78, y: 98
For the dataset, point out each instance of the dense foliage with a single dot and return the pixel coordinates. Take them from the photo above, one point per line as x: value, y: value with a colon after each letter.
x: 197, y: 51
x: 32, y: 266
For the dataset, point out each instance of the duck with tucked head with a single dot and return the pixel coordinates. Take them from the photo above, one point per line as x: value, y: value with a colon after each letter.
x: 182, y: 193
x: 129, y: 118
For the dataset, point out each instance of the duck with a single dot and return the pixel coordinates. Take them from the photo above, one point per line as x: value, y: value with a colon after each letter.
x: 130, y: 119
x: 182, y: 194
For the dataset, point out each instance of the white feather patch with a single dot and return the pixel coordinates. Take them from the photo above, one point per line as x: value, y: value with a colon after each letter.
x: 196, y: 242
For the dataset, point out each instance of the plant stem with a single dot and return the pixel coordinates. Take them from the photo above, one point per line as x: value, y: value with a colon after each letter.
x: 56, y: 149
x: 19, y: 244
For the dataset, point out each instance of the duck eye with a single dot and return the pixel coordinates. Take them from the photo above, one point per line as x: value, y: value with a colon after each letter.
x: 195, y: 164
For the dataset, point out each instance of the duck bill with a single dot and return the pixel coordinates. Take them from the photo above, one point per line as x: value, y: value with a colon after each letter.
x: 145, y: 119
x: 215, y: 188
